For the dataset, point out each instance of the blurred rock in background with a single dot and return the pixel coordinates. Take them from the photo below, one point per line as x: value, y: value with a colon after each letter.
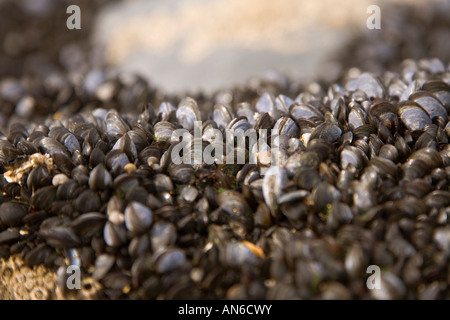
x: 203, y: 45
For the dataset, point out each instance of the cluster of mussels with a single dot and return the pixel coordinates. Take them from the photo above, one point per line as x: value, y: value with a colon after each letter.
x: 363, y: 180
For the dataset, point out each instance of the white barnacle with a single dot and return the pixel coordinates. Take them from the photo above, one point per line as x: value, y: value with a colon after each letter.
x: 17, y: 170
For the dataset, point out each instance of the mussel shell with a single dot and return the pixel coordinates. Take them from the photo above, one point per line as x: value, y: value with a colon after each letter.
x: 187, y: 113
x: 44, y: 197
x: 392, y: 288
x: 388, y: 151
x: 413, y: 116
x: 87, y: 201
x: 237, y: 254
x: 9, y: 236
x: 234, y: 204
x: 356, y: 117
x: 438, y: 199
x: 264, y: 121
x: 68, y: 190
x: 164, y: 130
x: 52, y: 147
x: 100, y: 178
x: 138, y: 217
x: 368, y: 84
x: 351, y: 155
x: 88, y: 224
x: 60, y: 237
x: 181, y: 174
x: 286, y: 126
x: 27, y: 147
x: 265, y: 103
x: 38, y: 255
x: 103, y: 264
x: 115, y: 125
x: 127, y: 145
x: 300, y: 111
x: 162, y: 235
x: 222, y: 115
x: 169, y: 260
x: 430, y: 104
x: 325, y: 194
x: 166, y: 108
x: 326, y: 131
x: 114, y: 235
x: 274, y: 181
x: 239, y: 123
x: 12, y: 213
x: 162, y: 183
x: 63, y: 163
x: 116, y: 161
